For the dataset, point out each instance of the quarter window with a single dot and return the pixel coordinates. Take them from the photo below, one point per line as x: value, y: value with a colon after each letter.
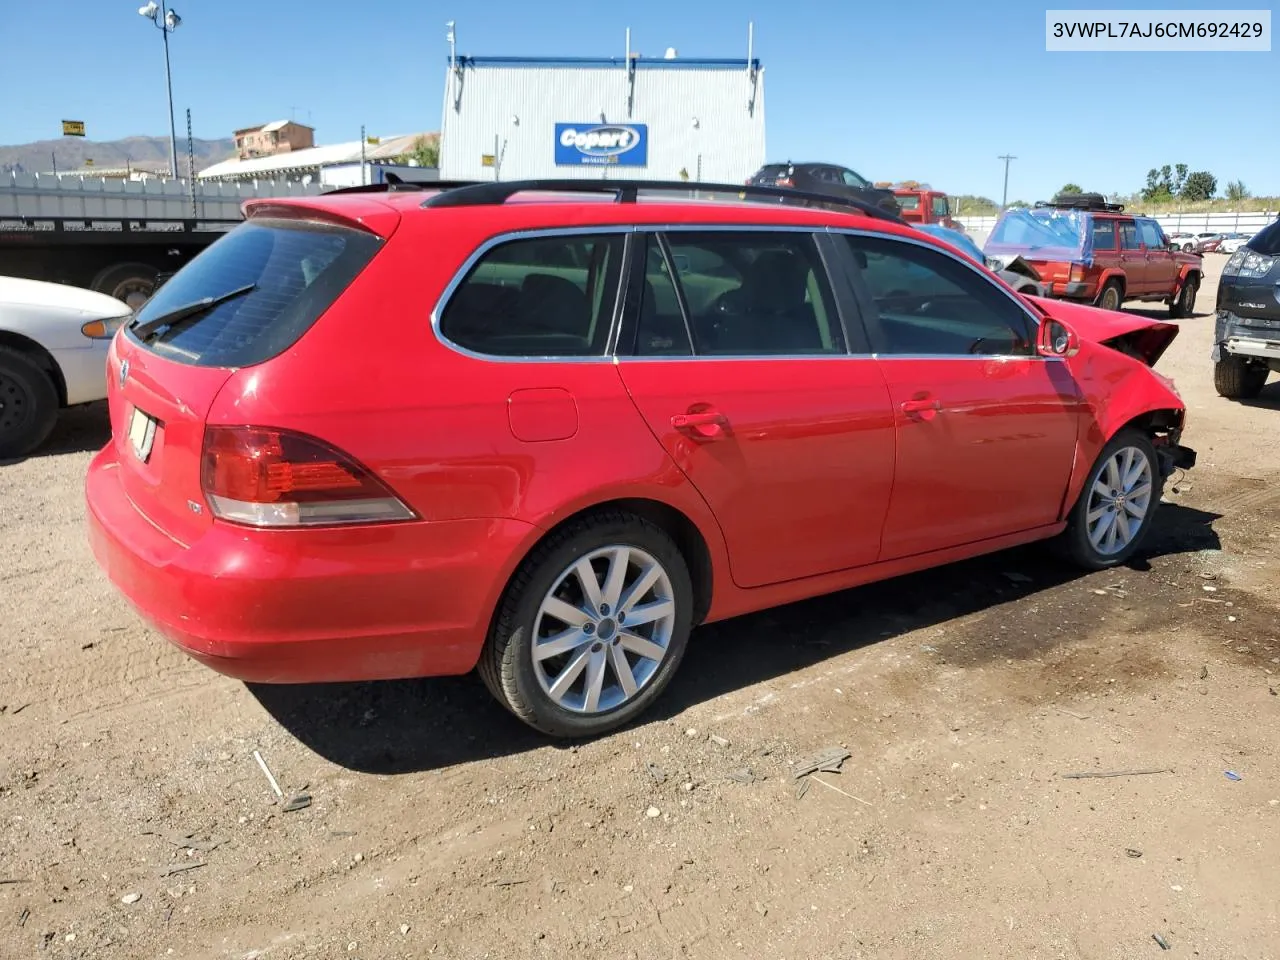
x: 755, y: 293
x: 930, y: 304
x: 538, y: 297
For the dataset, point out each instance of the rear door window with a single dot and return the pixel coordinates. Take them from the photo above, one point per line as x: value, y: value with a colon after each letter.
x: 548, y: 296
x: 1104, y: 235
x: 296, y: 269
x: 755, y: 293
x: 1129, y: 236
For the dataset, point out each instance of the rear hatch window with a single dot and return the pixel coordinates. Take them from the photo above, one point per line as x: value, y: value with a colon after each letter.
x: 1267, y: 241
x: 277, y: 278
x: 772, y: 173
x: 1043, y: 234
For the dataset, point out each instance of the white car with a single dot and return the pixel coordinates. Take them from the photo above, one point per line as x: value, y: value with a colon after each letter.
x: 53, y: 354
x: 1233, y: 242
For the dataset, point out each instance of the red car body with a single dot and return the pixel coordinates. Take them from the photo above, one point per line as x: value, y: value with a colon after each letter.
x: 780, y: 478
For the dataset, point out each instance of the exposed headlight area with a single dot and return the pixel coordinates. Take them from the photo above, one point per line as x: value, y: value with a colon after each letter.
x: 105, y: 329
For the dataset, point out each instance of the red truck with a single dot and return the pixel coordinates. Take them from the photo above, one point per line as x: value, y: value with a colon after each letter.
x: 920, y: 203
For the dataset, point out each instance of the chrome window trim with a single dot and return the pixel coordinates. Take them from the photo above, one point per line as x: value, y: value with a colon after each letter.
x: 647, y: 228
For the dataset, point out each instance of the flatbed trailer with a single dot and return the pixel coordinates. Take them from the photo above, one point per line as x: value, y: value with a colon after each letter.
x: 121, y: 257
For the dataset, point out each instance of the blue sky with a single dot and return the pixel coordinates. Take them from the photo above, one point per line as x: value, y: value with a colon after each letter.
x: 933, y: 90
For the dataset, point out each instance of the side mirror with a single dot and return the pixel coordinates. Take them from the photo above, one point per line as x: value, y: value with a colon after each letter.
x: 1056, y: 339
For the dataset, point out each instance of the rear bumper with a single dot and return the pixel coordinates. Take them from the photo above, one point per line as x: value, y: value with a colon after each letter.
x: 1083, y: 291
x: 1257, y: 337
x: 308, y: 606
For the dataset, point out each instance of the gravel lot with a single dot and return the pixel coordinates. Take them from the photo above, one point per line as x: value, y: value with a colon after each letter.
x: 441, y: 827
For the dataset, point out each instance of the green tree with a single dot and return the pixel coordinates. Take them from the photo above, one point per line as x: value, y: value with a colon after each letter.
x: 1159, y: 184
x: 1236, y: 190
x: 974, y: 206
x: 1071, y: 188
x: 1200, y: 185
x: 1179, y: 178
x: 425, y: 152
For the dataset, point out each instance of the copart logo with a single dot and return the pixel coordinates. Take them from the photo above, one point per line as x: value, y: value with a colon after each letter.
x: 604, y: 141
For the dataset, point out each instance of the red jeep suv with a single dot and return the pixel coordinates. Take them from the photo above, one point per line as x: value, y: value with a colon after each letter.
x: 1091, y: 251
x: 546, y: 428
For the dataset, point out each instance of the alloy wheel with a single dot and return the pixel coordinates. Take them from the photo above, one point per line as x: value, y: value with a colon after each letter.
x: 603, y: 629
x: 1119, y: 500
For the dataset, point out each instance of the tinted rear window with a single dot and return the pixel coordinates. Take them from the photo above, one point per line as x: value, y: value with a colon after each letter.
x: 298, y: 269
x: 771, y: 172
x: 1267, y: 240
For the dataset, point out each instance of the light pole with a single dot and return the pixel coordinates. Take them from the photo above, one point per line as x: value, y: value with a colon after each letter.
x: 1004, y: 200
x: 166, y: 21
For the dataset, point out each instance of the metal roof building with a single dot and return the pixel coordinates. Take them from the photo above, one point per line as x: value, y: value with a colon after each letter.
x: 628, y: 117
x: 312, y: 161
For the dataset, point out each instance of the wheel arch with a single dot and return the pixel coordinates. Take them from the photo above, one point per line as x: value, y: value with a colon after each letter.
x: 1112, y: 274
x: 683, y: 529
x: 1153, y: 416
x: 42, y: 357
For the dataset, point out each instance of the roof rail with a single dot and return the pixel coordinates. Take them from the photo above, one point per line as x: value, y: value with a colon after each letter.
x: 396, y: 184
x: 492, y: 193
x: 1081, y: 201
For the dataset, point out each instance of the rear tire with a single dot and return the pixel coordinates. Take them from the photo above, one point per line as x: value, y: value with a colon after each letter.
x: 1184, y: 304
x: 28, y: 404
x: 1128, y: 466
x: 1112, y: 297
x: 1237, y: 379
x: 542, y: 688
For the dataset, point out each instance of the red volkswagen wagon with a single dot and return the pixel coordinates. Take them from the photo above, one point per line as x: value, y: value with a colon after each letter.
x: 543, y: 429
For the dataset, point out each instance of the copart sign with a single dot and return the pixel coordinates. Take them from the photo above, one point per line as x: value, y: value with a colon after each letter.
x: 620, y: 144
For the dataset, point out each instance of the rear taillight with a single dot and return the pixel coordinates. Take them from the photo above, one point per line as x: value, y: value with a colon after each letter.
x: 264, y: 477
x: 1077, y: 273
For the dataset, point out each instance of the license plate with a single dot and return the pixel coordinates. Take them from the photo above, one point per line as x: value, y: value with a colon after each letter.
x: 142, y: 434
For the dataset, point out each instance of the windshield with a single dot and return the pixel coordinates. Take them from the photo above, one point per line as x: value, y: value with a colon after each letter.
x: 908, y: 201
x: 1044, y: 233
x: 286, y: 274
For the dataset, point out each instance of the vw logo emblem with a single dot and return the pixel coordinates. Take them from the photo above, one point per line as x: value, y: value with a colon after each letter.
x: 124, y: 373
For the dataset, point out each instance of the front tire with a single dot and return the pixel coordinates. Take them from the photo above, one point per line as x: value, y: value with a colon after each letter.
x: 1184, y: 305
x: 1237, y: 379
x: 592, y: 627
x: 1114, y: 512
x: 28, y: 404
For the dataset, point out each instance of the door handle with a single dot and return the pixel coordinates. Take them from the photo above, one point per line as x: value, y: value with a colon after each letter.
x: 920, y: 406
x: 707, y: 425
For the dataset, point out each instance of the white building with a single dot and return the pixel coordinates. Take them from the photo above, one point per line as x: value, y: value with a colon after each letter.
x: 629, y: 117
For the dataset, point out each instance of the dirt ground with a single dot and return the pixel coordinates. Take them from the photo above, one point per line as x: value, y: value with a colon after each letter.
x: 441, y: 827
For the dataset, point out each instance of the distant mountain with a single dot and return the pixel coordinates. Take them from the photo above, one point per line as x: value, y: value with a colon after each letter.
x: 141, y: 153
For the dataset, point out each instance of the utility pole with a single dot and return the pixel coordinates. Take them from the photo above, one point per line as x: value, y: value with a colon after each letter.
x: 166, y: 21
x: 1004, y: 200
x: 363, y: 168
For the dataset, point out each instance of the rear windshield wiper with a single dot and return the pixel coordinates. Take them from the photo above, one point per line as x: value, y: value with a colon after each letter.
x: 187, y: 312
